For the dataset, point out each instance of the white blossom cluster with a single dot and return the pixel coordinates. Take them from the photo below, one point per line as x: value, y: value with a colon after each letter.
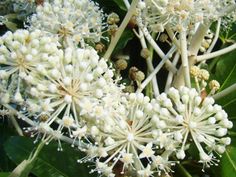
x: 68, y: 91
x: 71, y: 20
x: 20, y: 54
x: 182, y: 14
x: 131, y: 139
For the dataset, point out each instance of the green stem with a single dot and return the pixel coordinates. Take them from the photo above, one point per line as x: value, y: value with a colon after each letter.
x: 121, y: 29
x: 225, y: 92
x: 183, y: 171
x: 24, y: 168
x: 184, y: 57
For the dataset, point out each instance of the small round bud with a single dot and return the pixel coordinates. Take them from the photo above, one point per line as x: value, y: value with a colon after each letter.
x: 214, y: 85
x: 204, y: 74
x: 113, y: 18
x: 121, y: 64
x: 99, y: 47
x: 180, y: 155
x: 112, y: 29
x: 133, y: 22
x: 163, y: 37
x: 194, y: 71
x: 145, y: 53
x: 140, y: 76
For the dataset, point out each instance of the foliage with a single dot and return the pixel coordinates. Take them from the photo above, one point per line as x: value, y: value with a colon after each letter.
x: 51, y: 163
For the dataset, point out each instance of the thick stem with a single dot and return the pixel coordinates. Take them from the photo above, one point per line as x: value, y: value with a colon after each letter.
x: 225, y: 92
x: 170, y: 74
x: 152, y: 42
x: 215, y: 37
x: 127, y: 4
x: 16, y: 125
x: 184, y: 57
x: 155, y: 71
x: 216, y: 54
x: 121, y: 29
x: 149, y: 64
x: 194, y: 47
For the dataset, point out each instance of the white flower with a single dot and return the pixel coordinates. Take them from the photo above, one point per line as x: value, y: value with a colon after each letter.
x: 21, y: 53
x: 127, y: 136
x: 182, y: 14
x: 71, y: 20
x: 68, y: 93
x: 188, y: 116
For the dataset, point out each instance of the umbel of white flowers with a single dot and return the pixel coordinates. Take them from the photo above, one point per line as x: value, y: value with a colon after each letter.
x: 71, y: 20
x: 144, y: 134
x: 69, y: 91
x: 182, y: 14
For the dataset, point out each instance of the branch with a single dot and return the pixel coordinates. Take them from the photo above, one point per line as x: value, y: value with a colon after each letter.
x: 184, y: 57
x: 121, y: 29
x: 152, y: 42
x: 225, y: 92
x: 155, y: 71
x: 216, y: 54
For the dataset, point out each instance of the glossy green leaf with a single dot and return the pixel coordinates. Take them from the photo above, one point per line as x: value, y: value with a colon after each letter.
x: 5, y: 132
x: 125, y: 38
x: 121, y: 4
x: 4, y: 174
x: 226, y: 74
x: 228, y: 162
x: 50, y: 162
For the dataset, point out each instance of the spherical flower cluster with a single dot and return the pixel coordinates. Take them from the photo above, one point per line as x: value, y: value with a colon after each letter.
x: 129, y: 141
x: 77, y: 88
x: 182, y: 14
x: 188, y: 116
x: 20, y: 54
x: 71, y: 20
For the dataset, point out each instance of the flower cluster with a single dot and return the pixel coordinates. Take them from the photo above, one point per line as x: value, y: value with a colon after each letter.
x: 74, y: 90
x: 188, y: 116
x: 182, y: 14
x: 130, y: 139
x: 72, y: 21
x: 21, y: 53
x: 65, y: 90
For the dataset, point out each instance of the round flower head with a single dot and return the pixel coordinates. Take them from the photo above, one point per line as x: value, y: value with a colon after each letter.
x: 72, y: 89
x: 71, y: 20
x: 188, y: 116
x: 179, y: 14
x: 128, y: 140
x: 20, y: 54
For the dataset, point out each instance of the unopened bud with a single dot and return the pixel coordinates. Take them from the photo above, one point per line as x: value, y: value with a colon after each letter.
x: 113, y: 18
x: 163, y: 37
x: 204, y: 74
x: 99, y: 47
x: 145, y: 53
x: 121, y: 64
x: 194, y: 71
x: 112, y: 29
x: 140, y: 76
x: 133, y: 22
x: 214, y: 85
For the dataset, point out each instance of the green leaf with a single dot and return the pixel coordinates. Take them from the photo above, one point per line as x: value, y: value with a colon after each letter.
x: 4, y: 174
x: 124, y: 39
x: 50, y: 162
x: 5, y: 132
x: 228, y: 162
x: 121, y: 4
x: 226, y: 74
